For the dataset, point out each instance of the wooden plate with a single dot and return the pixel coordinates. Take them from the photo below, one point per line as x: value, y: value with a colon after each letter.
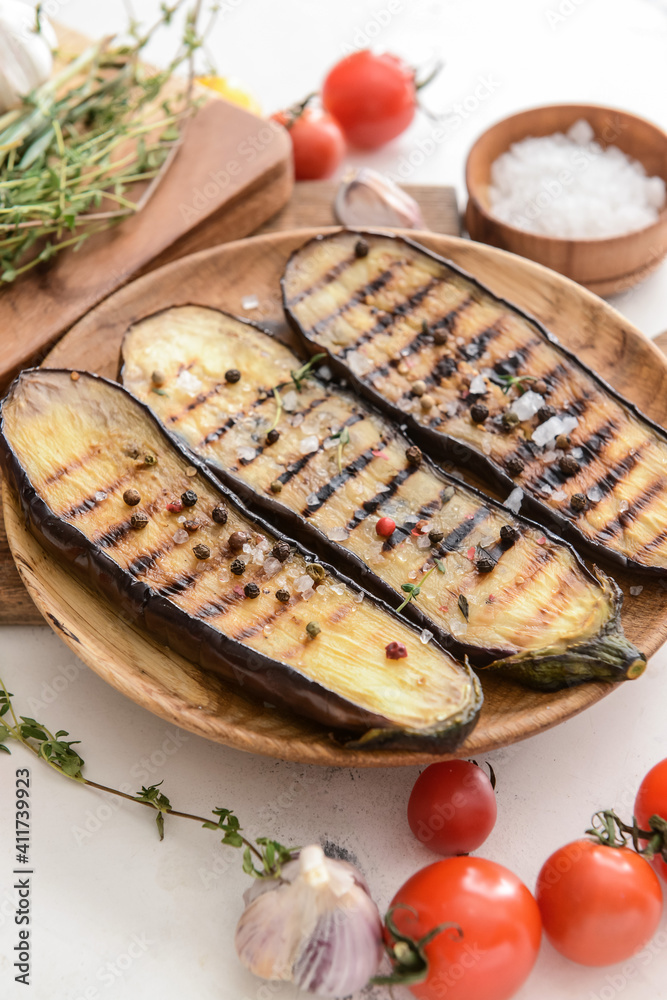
x: 179, y: 692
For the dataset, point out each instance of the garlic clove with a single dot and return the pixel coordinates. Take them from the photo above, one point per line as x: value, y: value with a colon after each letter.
x: 25, y: 54
x: 316, y: 926
x: 368, y: 198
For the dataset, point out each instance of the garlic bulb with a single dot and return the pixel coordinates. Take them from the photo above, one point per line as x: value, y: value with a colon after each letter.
x: 367, y: 198
x: 316, y: 926
x: 25, y: 53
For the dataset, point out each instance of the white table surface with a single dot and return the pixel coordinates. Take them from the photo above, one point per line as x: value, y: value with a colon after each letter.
x: 116, y: 914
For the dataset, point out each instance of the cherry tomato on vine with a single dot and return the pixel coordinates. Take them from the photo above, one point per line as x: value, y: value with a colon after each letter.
x: 452, y: 807
x: 599, y: 904
x: 652, y: 801
x: 498, y: 918
x: 317, y: 143
x: 372, y: 97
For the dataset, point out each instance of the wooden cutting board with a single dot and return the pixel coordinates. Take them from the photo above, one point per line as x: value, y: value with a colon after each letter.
x: 232, y: 172
x: 309, y: 205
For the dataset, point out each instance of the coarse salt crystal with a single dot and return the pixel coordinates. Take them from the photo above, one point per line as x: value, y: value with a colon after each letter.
x: 100, y: 496
x: 182, y: 519
x: 338, y: 534
x: 309, y: 444
x: 312, y: 500
x: 558, y: 495
x: 526, y: 406
x: 423, y: 542
x: 358, y: 597
x: 425, y: 636
x: 246, y: 454
x: 303, y: 583
x: 359, y: 364
x: 478, y: 385
x: 180, y: 536
x: 623, y: 506
x: 595, y: 494
x: 249, y: 302
x: 297, y: 420
x: 290, y: 401
x: 271, y: 566
x: 513, y: 501
x: 338, y: 588
x: 188, y: 382
x: 223, y: 575
x: 636, y: 591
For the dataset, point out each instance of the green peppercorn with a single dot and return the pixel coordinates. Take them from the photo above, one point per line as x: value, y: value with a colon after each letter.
x: 509, y: 419
x: 435, y: 537
x: 276, y: 486
x: 313, y: 629
x: 316, y: 572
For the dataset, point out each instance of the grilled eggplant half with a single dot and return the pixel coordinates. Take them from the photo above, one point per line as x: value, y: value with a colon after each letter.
x: 103, y: 484
x: 477, y: 379
x: 329, y: 467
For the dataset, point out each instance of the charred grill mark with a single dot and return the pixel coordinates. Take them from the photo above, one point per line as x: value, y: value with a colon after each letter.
x: 314, y: 403
x: 116, y: 532
x: 326, y: 279
x: 258, y: 626
x: 178, y: 586
x: 457, y: 535
x: 399, y: 311
x: 372, y: 504
x: 199, y: 400
x: 538, y: 562
x: 476, y: 346
x: 296, y: 467
x: 656, y: 543
x: 626, y: 517
x: 371, y: 286
x: 229, y: 423
x: 147, y: 560
x: 90, y: 502
x: 349, y: 472
x: 77, y: 463
x: 403, y: 531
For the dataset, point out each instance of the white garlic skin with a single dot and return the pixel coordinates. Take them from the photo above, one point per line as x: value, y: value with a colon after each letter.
x: 317, y: 927
x: 26, y: 58
x: 368, y: 198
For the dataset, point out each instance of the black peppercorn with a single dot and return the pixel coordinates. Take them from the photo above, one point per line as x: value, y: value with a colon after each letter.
x: 189, y: 498
x: 485, y: 564
x: 514, y: 465
x: 237, y: 540
x: 272, y: 436
x: 361, y: 248
x: 237, y: 567
x: 508, y: 535
x: 440, y: 337
x: 191, y: 526
x: 479, y: 412
x: 139, y: 521
x: 546, y: 412
x: 435, y: 537
x: 251, y: 590
x: 414, y: 455
x: 578, y: 502
x: 282, y: 596
x: 541, y: 387
x: 569, y: 465
x: 280, y: 551
x: 232, y: 376
x: 131, y: 497
x: 202, y: 551
x: 220, y: 514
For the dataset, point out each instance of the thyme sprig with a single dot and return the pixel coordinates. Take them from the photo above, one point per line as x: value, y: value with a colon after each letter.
x: 343, y: 438
x: 72, y: 153
x: 59, y: 754
x: 413, y: 590
x: 279, y: 410
x: 508, y: 381
x: 300, y: 374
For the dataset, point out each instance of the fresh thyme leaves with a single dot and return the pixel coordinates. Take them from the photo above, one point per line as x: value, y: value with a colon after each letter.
x: 58, y: 754
x: 413, y: 590
x: 343, y: 438
x: 507, y: 381
x: 71, y: 154
x: 302, y: 373
x: 279, y: 410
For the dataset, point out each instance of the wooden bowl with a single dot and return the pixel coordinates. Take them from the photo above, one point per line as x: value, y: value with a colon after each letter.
x: 604, y: 265
x: 180, y: 692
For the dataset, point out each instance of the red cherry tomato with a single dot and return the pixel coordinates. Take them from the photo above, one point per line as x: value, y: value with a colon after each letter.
x: 452, y: 807
x: 599, y: 904
x: 372, y: 97
x: 500, y: 923
x: 317, y: 143
x: 652, y: 801
x: 385, y: 527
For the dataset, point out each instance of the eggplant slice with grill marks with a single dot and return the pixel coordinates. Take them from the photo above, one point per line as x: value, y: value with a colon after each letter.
x: 502, y: 590
x: 397, y: 314
x: 102, y: 484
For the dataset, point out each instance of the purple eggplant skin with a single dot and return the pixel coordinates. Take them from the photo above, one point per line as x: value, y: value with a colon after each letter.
x: 444, y: 448
x: 260, y: 676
